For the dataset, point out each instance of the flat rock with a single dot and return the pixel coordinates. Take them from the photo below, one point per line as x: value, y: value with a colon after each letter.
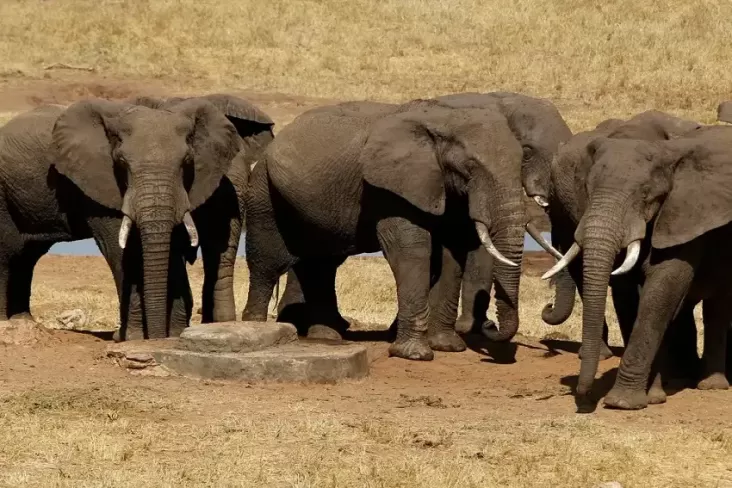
x: 724, y: 111
x: 22, y: 332
x: 300, y: 361
x: 236, y: 336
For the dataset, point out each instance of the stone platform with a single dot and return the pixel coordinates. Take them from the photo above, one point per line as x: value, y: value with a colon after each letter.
x: 248, y: 351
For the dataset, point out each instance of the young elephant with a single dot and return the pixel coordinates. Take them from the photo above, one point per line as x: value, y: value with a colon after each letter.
x: 98, y: 168
x: 668, y: 204
x: 417, y: 184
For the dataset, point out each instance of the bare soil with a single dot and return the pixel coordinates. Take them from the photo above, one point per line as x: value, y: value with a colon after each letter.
x: 495, y: 415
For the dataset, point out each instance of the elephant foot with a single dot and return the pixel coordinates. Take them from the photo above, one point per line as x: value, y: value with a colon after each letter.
x: 446, y: 340
x: 605, y: 352
x: 656, y: 395
x: 625, y: 399
x: 464, y: 325
x: 132, y: 335
x: 412, y: 348
x: 323, y: 332
x: 715, y: 381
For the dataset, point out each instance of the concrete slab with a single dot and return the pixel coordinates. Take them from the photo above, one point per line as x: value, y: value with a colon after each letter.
x: 301, y: 361
x: 724, y: 112
x: 237, y: 336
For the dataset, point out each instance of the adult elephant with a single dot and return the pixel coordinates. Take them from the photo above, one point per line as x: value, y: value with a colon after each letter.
x: 540, y: 129
x: 671, y: 212
x: 126, y: 175
x: 569, y: 202
x: 416, y: 184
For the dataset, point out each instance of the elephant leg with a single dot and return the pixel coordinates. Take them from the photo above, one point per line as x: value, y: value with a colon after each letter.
x: 21, y: 277
x: 476, y: 291
x: 317, y: 281
x: 407, y: 248
x: 661, y: 299
x: 180, y: 298
x: 717, y: 314
x: 126, y: 267
x: 292, y: 298
x: 683, y: 364
x: 575, y: 270
x: 293, y: 304
x: 443, y: 301
x: 220, y: 223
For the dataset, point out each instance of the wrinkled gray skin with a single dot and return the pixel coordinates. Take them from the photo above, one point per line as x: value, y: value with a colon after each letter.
x: 674, y: 198
x: 74, y: 173
x: 568, y: 203
x: 595, y: 191
x: 540, y: 129
x: 412, y: 182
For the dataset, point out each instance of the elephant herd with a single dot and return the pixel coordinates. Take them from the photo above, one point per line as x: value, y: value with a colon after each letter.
x: 641, y: 205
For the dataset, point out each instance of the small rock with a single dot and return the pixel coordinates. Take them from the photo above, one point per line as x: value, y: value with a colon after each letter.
x: 323, y: 332
x: 75, y: 319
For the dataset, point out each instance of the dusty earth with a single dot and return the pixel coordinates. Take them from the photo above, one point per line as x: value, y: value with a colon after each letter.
x: 442, y: 412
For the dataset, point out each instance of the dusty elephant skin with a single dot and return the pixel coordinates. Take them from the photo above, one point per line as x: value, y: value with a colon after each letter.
x: 540, y: 129
x: 569, y: 202
x: 416, y: 182
x: 127, y: 174
x: 667, y: 203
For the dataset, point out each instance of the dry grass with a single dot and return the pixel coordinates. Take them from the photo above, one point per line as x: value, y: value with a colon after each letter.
x: 595, y: 60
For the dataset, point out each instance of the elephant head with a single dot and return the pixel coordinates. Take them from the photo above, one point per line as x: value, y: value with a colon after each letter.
x: 154, y: 167
x: 438, y: 158
x: 642, y: 196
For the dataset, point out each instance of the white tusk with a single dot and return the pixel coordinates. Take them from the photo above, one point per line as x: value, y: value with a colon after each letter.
x: 124, y: 231
x: 488, y: 244
x: 631, y: 257
x: 536, y: 235
x: 564, y: 262
x: 541, y: 201
x: 191, y: 228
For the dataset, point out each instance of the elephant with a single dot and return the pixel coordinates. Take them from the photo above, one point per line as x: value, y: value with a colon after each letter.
x: 667, y: 204
x: 568, y: 203
x: 422, y: 182
x: 127, y: 175
x: 540, y: 129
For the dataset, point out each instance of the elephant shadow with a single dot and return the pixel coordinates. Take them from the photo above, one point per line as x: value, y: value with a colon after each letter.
x: 495, y: 352
x: 555, y: 346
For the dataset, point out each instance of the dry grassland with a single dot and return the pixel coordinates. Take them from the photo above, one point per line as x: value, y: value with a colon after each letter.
x: 460, y: 421
x: 595, y: 60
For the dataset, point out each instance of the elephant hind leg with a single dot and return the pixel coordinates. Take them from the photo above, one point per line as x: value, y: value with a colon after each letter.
x: 21, y: 277
x: 717, y: 317
x: 316, y: 278
x: 444, y: 302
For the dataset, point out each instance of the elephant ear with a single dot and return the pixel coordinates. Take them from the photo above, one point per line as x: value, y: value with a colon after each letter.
x: 701, y: 197
x: 248, y: 119
x: 84, y: 152
x: 400, y: 156
x: 214, y: 144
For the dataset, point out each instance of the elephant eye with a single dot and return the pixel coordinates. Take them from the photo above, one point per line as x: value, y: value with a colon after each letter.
x: 528, y: 152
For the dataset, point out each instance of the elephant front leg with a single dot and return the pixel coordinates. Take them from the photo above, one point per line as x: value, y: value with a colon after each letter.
x: 407, y: 248
x: 717, y: 313
x: 477, y: 282
x: 443, y: 302
x: 661, y: 298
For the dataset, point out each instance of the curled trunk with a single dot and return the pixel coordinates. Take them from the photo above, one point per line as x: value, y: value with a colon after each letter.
x: 558, y: 312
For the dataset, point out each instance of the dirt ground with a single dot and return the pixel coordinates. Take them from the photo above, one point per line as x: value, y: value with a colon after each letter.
x: 490, y: 416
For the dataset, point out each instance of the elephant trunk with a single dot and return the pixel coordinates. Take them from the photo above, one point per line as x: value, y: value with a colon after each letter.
x: 602, y: 233
x: 155, y: 214
x: 558, y: 312
x: 508, y: 226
